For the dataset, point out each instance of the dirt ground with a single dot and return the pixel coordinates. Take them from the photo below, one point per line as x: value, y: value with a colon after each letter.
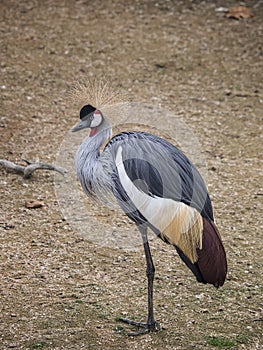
x: 61, y: 291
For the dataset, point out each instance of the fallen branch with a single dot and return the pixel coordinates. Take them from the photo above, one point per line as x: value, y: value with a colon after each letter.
x: 27, y: 171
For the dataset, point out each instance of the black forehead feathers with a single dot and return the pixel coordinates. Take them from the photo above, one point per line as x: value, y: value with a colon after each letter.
x: 85, y: 110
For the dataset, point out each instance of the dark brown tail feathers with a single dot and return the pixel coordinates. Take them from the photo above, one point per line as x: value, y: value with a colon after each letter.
x: 212, y: 257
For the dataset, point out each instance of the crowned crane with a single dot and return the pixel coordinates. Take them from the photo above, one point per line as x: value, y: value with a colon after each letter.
x: 158, y: 188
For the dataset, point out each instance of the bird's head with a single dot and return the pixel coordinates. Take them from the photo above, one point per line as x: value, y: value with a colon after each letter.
x: 90, y: 117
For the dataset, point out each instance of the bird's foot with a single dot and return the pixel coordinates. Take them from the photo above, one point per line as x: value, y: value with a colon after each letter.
x: 148, y: 327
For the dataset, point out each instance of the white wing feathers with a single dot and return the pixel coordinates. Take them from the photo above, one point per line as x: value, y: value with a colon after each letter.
x: 177, y: 222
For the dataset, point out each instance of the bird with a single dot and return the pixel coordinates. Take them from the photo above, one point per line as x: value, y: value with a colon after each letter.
x: 159, y: 189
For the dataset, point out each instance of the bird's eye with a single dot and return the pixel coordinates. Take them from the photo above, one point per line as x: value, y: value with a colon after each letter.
x: 92, y: 117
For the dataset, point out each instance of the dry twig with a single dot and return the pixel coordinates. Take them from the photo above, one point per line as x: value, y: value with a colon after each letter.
x: 27, y: 171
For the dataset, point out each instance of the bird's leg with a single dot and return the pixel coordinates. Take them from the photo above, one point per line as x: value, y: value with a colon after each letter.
x: 151, y: 325
x: 150, y: 270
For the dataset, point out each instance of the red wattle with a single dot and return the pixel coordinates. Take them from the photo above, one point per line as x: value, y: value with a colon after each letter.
x: 93, y: 131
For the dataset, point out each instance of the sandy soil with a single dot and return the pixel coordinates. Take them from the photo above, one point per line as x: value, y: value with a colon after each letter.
x: 61, y: 291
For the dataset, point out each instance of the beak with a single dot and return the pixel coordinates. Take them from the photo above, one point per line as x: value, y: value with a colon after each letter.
x: 84, y: 123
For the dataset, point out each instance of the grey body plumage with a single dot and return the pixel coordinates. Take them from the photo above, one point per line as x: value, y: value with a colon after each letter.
x: 157, y: 187
x: 172, y: 174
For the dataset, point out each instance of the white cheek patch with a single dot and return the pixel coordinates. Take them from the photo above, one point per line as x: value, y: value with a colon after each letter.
x: 96, y: 120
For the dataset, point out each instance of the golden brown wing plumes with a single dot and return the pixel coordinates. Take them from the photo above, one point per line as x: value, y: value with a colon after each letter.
x: 185, y: 231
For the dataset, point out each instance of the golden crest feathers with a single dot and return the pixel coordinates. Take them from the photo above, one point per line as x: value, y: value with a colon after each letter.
x: 98, y: 93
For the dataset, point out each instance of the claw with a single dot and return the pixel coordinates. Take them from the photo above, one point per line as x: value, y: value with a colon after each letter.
x: 147, y: 327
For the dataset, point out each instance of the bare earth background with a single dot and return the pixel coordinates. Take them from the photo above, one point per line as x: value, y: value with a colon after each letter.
x: 59, y: 291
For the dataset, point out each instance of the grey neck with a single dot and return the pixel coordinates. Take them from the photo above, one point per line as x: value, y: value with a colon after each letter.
x: 88, y: 155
